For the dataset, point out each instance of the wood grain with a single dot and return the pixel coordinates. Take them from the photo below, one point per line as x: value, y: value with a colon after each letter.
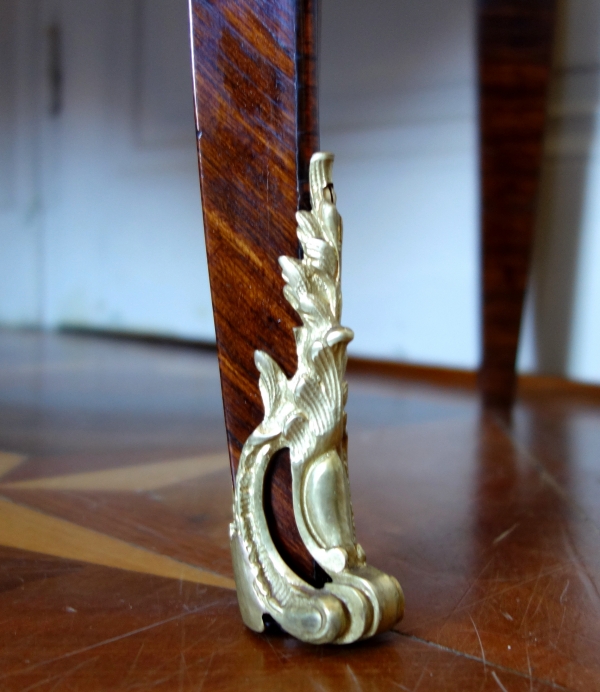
x: 492, y: 531
x: 135, y: 478
x: 307, y: 58
x: 515, y: 50
x: 29, y: 529
x: 9, y: 461
x: 257, y: 126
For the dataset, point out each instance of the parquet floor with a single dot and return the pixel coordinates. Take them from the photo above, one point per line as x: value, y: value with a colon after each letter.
x: 115, y: 499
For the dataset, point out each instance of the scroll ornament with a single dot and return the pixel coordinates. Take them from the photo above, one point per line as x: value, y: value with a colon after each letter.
x: 306, y: 414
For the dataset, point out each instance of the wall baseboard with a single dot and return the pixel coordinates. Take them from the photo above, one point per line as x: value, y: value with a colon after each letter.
x: 140, y: 337
x: 527, y: 384
x: 448, y: 377
x: 455, y: 378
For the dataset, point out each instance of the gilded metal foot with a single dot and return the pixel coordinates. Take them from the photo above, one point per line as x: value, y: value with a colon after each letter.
x: 306, y: 414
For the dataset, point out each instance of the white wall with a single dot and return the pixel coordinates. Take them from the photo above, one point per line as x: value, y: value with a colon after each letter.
x: 562, y: 320
x: 102, y: 226
x: 398, y: 109
x: 20, y: 194
x: 119, y: 242
x: 125, y: 238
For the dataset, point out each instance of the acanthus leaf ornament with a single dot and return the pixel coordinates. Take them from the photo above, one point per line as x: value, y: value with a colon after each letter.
x: 306, y: 414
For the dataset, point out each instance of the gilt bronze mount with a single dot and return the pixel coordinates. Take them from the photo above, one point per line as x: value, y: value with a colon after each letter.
x: 305, y: 414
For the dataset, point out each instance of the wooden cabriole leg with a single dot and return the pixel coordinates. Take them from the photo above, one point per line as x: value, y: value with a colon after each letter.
x: 515, y: 51
x: 257, y: 126
x: 295, y: 556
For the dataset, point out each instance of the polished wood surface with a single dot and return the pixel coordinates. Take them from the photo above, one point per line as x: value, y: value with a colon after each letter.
x: 255, y: 77
x: 307, y: 85
x: 515, y: 51
x: 115, y: 500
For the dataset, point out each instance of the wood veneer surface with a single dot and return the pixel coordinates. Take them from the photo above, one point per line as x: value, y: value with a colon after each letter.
x: 493, y: 532
x: 515, y: 51
x: 257, y: 127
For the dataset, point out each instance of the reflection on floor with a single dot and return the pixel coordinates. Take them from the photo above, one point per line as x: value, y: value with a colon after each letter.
x: 115, y: 501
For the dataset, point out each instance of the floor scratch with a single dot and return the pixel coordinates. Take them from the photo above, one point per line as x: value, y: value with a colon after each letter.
x: 105, y: 642
x: 541, y: 599
x: 497, y: 679
x: 59, y: 677
x: 586, y: 579
x: 537, y: 581
x: 472, y: 657
x: 505, y: 534
x: 480, y: 643
x: 547, y: 477
x: 133, y: 666
x: 357, y: 684
x: 210, y: 660
x: 456, y: 608
x: 416, y: 687
x: 529, y: 668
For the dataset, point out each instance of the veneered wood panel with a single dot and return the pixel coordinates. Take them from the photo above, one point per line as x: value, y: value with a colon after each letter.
x: 515, y: 49
x: 257, y: 126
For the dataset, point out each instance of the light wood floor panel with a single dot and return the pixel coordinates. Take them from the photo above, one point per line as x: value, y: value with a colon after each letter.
x: 28, y: 529
x: 9, y: 461
x: 136, y: 478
